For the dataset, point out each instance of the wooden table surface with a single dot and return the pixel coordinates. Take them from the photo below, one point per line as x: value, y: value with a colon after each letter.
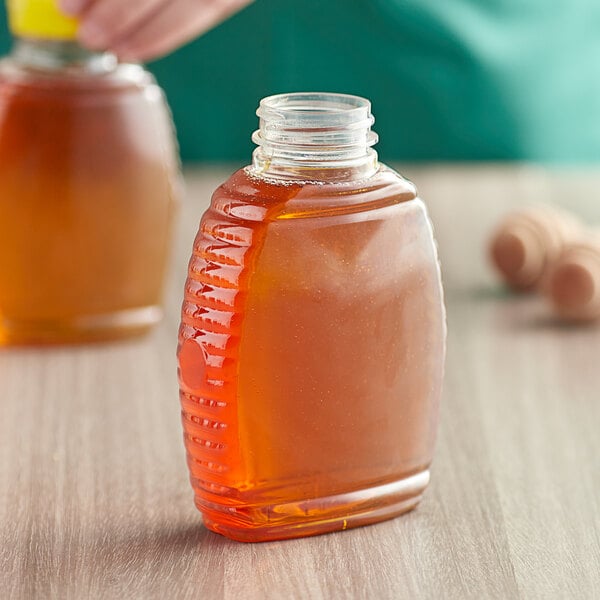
x: 94, y: 493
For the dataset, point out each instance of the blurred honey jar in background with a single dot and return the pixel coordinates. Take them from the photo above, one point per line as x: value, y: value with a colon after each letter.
x: 88, y: 182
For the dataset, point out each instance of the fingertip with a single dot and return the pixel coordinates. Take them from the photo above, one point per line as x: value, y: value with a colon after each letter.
x: 126, y: 54
x: 71, y: 7
x: 92, y: 36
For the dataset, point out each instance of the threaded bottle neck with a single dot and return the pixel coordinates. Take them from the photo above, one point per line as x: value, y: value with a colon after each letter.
x: 315, y: 136
x: 58, y: 55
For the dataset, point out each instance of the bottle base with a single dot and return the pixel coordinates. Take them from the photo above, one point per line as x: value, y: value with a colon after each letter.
x: 271, y: 522
x: 92, y: 328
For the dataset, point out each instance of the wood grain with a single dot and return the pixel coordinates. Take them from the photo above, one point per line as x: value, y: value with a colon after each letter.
x: 94, y: 497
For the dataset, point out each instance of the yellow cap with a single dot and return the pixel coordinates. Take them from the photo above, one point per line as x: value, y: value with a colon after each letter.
x: 40, y: 19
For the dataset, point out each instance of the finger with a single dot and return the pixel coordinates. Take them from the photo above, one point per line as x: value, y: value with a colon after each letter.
x: 106, y: 21
x: 174, y: 24
x: 74, y: 7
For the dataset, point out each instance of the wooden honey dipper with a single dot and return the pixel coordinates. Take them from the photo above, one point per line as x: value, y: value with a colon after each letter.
x: 573, y: 282
x: 528, y: 241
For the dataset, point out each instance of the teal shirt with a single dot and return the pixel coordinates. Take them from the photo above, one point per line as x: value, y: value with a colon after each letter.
x: 448, y: 79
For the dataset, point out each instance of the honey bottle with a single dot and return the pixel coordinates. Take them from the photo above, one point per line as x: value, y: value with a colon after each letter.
x: 88, y: 181
x: 312, y: 337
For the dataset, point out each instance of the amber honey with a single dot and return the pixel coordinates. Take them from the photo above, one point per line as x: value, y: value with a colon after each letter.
x: 311, y: 351
x: 87, y: 192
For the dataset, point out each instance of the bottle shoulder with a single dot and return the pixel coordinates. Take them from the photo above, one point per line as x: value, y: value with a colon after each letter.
x: 123, y: 77
x: 247, y: 196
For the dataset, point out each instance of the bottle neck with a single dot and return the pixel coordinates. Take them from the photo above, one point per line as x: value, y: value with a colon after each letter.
x: 60, y: 55
x: 315, y: 137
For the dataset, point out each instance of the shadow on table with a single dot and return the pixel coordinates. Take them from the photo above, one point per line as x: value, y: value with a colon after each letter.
x: 551, y: 323
x: 147, y: 560
x: 512, y: 312
x: 189, y: 561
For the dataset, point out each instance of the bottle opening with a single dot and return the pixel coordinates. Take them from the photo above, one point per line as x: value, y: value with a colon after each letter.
x: 309, y: 131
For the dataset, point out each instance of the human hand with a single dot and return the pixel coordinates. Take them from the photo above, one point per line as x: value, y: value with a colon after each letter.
x: 146, y: 29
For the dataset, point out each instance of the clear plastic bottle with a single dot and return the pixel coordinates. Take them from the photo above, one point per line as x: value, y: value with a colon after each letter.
x: 88, y: 183
x: 312, y: 340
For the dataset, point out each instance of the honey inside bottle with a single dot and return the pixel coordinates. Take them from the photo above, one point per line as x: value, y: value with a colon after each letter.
x: 88, y: 180
x: 311, y: 346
